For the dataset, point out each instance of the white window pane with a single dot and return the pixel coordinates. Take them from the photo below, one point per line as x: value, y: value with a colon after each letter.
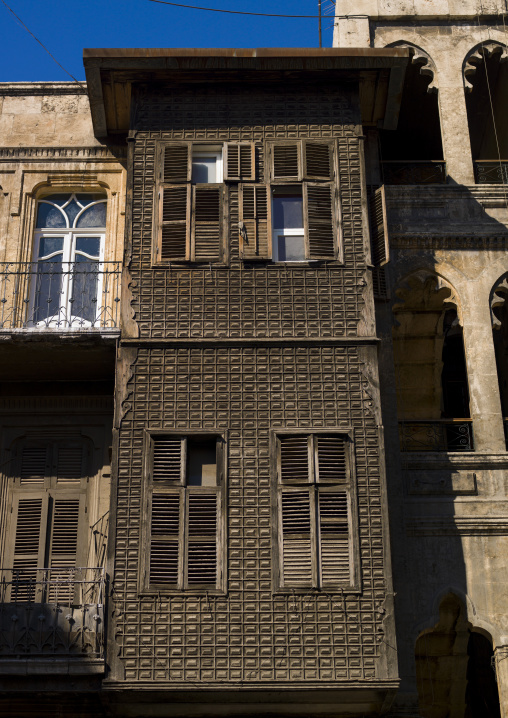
x: 290, y: 248
x: 287, y: 210
x: 204, y: 169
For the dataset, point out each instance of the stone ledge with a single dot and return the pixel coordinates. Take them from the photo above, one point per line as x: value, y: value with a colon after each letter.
x: 56, y: 666
x: 43, y: 88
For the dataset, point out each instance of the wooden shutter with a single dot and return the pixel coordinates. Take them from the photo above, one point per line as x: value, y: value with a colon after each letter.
x: 168, y: 459
x: 207, y: 224
x: 34, y: 465
x: 177, y: 163
x: 334, y: 538
x: 321, y: 233
x: 294, y: 459
x: 28, y: 547
x: 70, y: 469
x: 201, y: 540
x: 165, y: 539
x: 318, y: 160
x: 331, y: 459
x: 379, y: 284
x: 255, y: 213
x: 239, y: 161
x: 174, y: 223
x: 286, y: 161
x: 379, y: 228
x: 297, y: 555
x: 64, y: 528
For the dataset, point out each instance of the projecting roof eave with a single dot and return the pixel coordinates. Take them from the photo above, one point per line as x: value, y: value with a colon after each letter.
x: 111, y: 72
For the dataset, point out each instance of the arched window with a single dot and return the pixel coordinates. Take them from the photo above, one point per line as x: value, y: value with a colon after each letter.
x: 68, y: 252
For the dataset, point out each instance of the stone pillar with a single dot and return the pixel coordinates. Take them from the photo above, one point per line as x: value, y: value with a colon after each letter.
x: 501, y: 658
x: 351, y: 32
x: 484, y: 398
x: 454, y: 125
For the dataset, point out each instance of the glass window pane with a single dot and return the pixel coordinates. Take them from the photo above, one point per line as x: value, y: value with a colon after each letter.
x: 71, y: 211
x: 290, y: 248
x: 85, y: 199
x: 94, y: 216
x: 201, y: 462
x: 49, y: 245
x: 48, y: 289
x: 204, y: 169
x: 287, y: 211
x: 89, y: 245
x: 49, y: 216
x: 85, y: 280
x: 59, y: 199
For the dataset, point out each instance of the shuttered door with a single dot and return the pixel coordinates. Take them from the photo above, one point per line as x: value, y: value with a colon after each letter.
x: 318, y: 160
x: 320, y: 221
x: 239, y: 161
x: 28, y: 547
x: 256, y: 217
x: 165, y: 539
x: 334, y: 538
x: 202, y: 538
x: 286, y: 161
x: 174, y: 223
x: 64, y: 531
x: 206, y: 230
x: 296, y: 528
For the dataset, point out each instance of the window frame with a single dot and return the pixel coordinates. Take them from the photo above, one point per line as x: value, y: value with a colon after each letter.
x: 278, y: 587
x: 144, y: 585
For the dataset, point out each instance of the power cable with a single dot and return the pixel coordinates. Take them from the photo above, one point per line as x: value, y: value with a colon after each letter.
x: 241, y: 12
x: 43, y: 46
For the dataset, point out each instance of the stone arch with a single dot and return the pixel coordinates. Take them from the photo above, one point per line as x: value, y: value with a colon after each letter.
x: 421, y: 59
x: 476, y: 56
x: 499, y: 315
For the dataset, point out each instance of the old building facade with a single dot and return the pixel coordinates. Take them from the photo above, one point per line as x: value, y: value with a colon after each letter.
x: 253, y: 449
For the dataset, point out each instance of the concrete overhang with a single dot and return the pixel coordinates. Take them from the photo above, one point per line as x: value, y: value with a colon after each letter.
x: 110, y: 74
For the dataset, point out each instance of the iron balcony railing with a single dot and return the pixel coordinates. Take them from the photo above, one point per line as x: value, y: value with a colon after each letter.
x: 62, y: 296
x: 52, y: 611
x: 437, y: 435
x: 414, y: 172
x: 491, y: 171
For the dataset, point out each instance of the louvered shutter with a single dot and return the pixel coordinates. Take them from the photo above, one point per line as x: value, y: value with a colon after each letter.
x: 168, y: 459
x: 174, y: 223
x: 239, y: 161
x: 379, y: 228
x: 318, y: 160
x: 256, y: 217
x: 34, y: 465
x: 165, y: 539
x: 379, y: 284
x: 320, y: 220
x: 177, y: 163
x: 28, y: 554
x: 286, y: 161
x: 64, y: 531
x: 294, y: 459
x: 331, y: 459
x: 296, y: 538
x: 201, y: 540
x: 70, y: 469
x: 207, y: 224
x: 335, y: 563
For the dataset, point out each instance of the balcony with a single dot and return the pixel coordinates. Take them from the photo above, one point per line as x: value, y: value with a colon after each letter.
x: 491, y: 171
x: 52, y: 619
x: 437, y: 435
x: 414, y: 172
x: 80, y: 296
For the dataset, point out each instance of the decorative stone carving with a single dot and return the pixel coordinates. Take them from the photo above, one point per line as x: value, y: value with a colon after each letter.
x: 421, y: 59
x: 477, y: 55
x: 425, y: 291
x: 498, y: 299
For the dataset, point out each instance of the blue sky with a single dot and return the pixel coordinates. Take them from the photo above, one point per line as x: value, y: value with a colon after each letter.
x: 65, y: 27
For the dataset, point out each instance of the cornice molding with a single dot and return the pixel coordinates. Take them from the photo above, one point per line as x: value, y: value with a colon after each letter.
x: 456, y: 241
x: 42, y: 88
x: 465, y: 526
x: 101, y: 153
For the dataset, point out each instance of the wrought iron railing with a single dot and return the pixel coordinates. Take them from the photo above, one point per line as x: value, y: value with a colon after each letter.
x: 491, y: 171
x: 56, y: 295
x: 414, y: 172
x: 52, y: 611
x: 437, y: 435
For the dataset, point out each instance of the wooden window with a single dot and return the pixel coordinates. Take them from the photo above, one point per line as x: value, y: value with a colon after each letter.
x: 316, y: 515
x: 379, y: 228
x: 189, y: 218
x: 47, y: 507
x: 255, y: 222
x: 186, y: 516
x: 239, y: 161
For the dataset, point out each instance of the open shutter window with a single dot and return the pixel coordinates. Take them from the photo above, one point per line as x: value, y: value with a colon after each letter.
x: 202, y: 538
x: 168, y: 459
x: 331, y: 459
x: 286, y: 161
x: 256, y: 240
x: 206, y: 230
x: 240, y: 161
x: 177, y: 163
x: 294, y: 459
x: 34, y: 464
x: 296, y: 548
x: 379, y: 228
x: 69, y: 465
x: 63, y: 548
x: 321, y: 231
x: 335, y: 564
x: 174, y: 223
x: 28, y: 545
x: 165, y: 538
x: 318, y: 160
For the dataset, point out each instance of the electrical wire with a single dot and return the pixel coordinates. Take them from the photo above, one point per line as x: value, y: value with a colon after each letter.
x: 43, y: 46
x: 242, y: 12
